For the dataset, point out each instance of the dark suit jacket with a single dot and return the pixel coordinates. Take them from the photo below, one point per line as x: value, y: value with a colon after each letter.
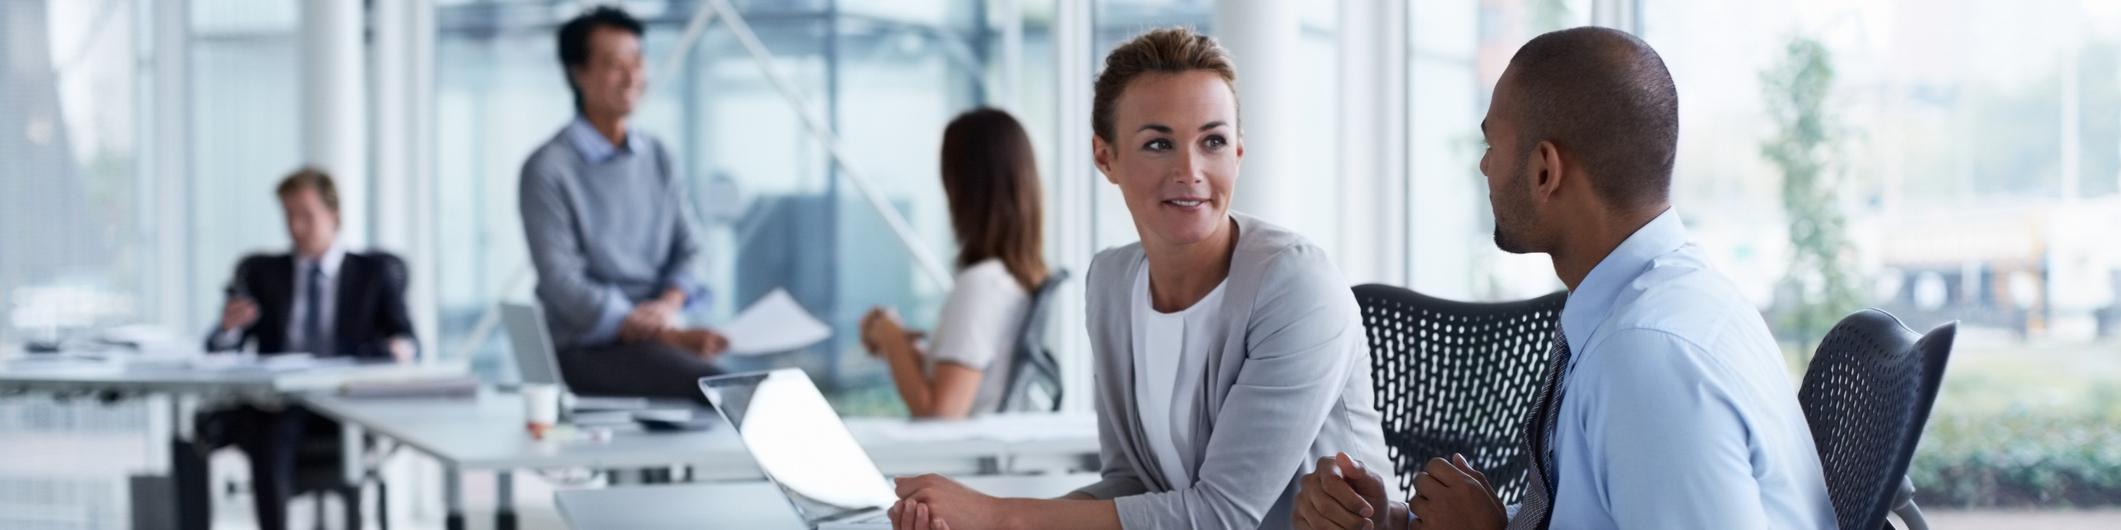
x: 371, y: 304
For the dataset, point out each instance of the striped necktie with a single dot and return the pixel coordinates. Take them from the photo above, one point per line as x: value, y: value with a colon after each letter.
x: 313, y: 322
x: 1536, y: 511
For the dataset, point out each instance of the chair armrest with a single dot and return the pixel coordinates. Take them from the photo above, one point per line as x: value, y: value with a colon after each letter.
x: 1904, y: 506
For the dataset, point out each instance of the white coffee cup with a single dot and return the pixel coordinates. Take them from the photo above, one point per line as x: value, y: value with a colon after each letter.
x: 541, y: 407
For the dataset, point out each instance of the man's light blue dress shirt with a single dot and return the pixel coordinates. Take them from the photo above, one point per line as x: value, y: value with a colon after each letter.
x: 1679, y: 411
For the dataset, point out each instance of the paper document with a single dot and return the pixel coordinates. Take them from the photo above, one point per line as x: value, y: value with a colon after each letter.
x: 775, y: 323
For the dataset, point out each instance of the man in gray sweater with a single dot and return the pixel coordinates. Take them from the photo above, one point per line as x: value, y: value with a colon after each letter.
x: 605, y: 217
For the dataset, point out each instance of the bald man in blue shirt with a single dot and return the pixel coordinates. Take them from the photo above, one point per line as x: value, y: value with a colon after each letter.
x: 1668, y: 404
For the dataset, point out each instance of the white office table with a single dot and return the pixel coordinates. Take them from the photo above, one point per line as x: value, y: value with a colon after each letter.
x: 125, y: 374
x: 119, y: 374
x: 748, y: 505
x: 487, y: 433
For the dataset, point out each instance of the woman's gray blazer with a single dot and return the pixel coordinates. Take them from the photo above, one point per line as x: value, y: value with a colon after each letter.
x: 1288, y: 382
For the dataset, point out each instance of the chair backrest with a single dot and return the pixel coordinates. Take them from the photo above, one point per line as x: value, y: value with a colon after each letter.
x: 1457, y: 377
x: 393, y: 268
x: 1033, y: 362
x: 1867, y: 395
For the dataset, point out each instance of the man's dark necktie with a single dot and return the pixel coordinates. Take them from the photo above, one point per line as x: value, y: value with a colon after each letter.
x: 1537, y: 510
x: 313, y: 326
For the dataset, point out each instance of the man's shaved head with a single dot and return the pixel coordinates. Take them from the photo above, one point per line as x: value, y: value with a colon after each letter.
x: 1603, y: 97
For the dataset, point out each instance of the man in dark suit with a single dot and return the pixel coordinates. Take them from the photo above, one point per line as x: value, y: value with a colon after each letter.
x: 319, y: 300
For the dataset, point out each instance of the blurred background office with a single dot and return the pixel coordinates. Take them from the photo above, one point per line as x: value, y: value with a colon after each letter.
x: 1941, y: 159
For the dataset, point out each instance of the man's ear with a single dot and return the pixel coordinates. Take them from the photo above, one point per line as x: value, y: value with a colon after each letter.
x: 1548, y: 170
x: 1102, y: 153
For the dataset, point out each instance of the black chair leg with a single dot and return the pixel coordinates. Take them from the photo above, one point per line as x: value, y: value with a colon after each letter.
x: 320, y: 509
x: 352, y: 494
x: 382, y: 505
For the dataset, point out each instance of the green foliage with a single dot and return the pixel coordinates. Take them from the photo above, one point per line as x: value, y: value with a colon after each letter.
x: 1806, y: 148
x: 2019, y: 460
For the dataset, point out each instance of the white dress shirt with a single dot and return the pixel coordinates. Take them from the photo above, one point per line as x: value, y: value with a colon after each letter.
x: 1679, y: 411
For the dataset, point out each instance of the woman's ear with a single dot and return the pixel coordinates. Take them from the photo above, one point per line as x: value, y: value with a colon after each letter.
x: 1103, y: 153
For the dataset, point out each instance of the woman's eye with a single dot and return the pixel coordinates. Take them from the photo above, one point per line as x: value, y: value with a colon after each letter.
x: 1159, y: 144
x: 1215, y: 140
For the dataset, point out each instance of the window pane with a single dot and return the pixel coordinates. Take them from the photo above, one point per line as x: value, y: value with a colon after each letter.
x: 775, y: 209
x: 69, y: 213
x: 246, y: 113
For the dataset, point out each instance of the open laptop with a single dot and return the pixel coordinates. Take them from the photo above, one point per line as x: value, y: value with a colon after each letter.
x: 804, y: 448
x: 538, y: 362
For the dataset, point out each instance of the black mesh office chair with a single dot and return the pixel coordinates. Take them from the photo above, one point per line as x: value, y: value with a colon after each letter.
x: 1034, y: 362
x: 1457, y: 377
x: 1867, y: 395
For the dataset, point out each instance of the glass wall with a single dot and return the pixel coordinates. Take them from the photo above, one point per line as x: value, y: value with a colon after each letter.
x: 246, y: 135
x: 1972, y: 155
x: 70, y: 223
x: 1971, y: 171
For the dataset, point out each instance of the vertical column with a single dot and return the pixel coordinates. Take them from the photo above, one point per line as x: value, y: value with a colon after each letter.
x: 1072, y: 218
x: 166, y: 185
x: 334, y: 107
x: 2072, y: 128
x: 1006, y: 77
x: 1372, y: 49
x: 1624, y: 15
x: 1446, y: 197
x: 401, y: 66
x: 1262, y: 35
x: 424, y: 253
x: 389, y: 93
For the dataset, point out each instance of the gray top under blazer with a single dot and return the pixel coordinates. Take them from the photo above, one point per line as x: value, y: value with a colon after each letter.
x: 1287, y: 382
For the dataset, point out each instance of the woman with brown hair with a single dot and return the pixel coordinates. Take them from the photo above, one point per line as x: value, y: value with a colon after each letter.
x: 992, y: 183
x: 1229, y: 352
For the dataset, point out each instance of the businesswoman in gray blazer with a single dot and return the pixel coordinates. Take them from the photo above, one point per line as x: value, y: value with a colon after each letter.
x: 1230, y: 354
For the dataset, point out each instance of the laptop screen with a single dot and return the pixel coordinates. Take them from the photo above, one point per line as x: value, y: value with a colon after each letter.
x: 533, y: 347
x: 800, y: 443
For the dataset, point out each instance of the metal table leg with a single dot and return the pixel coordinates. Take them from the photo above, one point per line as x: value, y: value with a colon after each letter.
x: 504, y: 503
x: 188, y: 471
x: 453, y: 498
x: 353, y: 467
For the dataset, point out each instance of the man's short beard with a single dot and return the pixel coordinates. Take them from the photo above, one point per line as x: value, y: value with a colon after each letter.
x: 1513, y: 212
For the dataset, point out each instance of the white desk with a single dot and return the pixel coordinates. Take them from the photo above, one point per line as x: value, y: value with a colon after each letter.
x: 120, y: 375
x: 747, y: 505
x: 487, y: 433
